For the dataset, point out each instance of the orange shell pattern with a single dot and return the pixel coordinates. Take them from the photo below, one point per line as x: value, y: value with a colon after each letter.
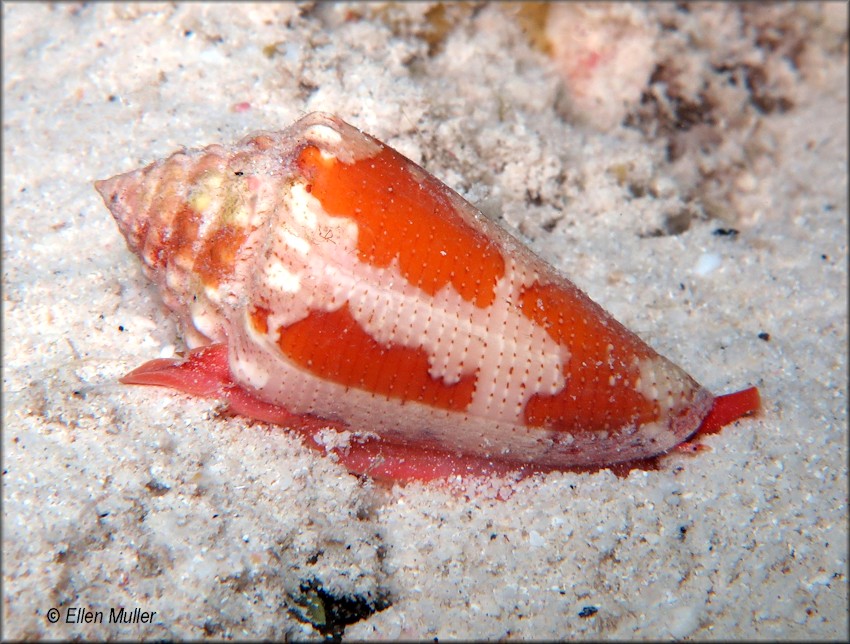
x: 350, y: 285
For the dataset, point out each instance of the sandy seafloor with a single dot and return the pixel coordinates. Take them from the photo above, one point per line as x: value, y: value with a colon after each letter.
x: 115, y: 496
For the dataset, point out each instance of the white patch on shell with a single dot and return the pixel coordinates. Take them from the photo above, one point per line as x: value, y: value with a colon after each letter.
x: 323, y: 134
x: 207, y: 321
x: 281, y: 279
x: 662, y: 382
x: 658, y: 433
x: 298, y: 244
x: 302, y: 207
x: 213, y: 294
x: 251, y: 372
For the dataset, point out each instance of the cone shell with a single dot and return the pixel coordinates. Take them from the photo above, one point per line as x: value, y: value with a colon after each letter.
x: 350, y: 285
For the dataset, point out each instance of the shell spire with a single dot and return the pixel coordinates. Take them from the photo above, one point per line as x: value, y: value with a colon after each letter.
x: 347, y: 286
x: 186, y: 218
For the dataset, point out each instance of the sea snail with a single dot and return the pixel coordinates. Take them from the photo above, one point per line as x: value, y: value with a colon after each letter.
x: 326, y: 283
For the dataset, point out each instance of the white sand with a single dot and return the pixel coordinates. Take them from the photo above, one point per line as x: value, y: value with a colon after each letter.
x: 117, y: 496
